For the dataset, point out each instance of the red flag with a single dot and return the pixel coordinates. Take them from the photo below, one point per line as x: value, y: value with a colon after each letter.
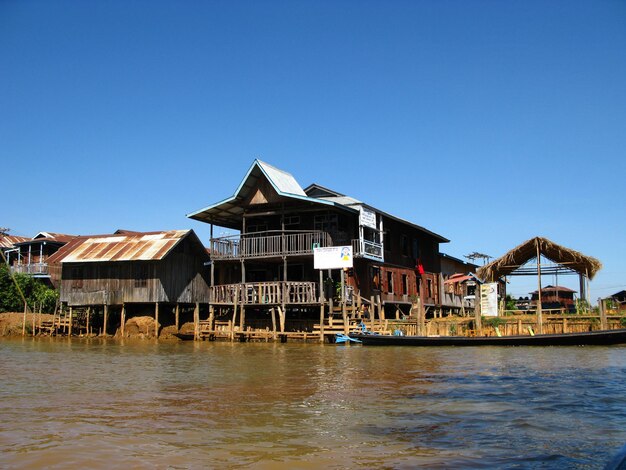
x: 420, y: 267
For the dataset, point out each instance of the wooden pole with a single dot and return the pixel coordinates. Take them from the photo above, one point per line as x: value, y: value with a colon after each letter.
x: 69, y: 333
x: 232, y: 327
x: 196, y: 321
x: 156, y: 319
x: 372, y: 311
x: 177, y: 316
x: 321, y: 306
x: 106, y: 319
x: 539, y: 306
x: 602, y: 308
x: 478, y: 310
x: 211, y: 317
x: 273, y: 312
x: 123, y: 320
x: 344, y: 315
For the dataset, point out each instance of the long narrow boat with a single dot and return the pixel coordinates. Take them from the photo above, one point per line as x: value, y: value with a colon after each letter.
x: 604, y: 337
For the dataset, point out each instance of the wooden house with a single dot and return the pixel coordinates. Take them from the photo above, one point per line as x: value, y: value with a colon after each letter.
x: 131, y: 273
x: 458, y: 284
x: 269, y: 262
x: 31, y: 256
x: 554, y: 298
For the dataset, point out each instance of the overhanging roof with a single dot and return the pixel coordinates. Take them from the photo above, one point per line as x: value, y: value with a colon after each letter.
x: 229, y: 212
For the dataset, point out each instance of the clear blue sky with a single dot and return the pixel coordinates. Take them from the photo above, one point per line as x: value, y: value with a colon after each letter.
x: 488, y: 122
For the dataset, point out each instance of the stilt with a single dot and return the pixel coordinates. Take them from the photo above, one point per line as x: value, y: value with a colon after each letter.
x: 123, y: 320
x: 322, y: 322
x: 372, y: 312
x: 281, y: 315
x: 177, y: 316
x: 156, y: 319
x: 196, y: 322
x: 242, y: 318
x: 69, y: 328
x: 232, y: 327
x: 211, y: 317
x: 273, y: 313
x: 106, y: 319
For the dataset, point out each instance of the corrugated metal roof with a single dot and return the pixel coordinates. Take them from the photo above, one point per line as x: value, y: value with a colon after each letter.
x: 284, y: 182
x: 127, y: 247
x: 7, y: 241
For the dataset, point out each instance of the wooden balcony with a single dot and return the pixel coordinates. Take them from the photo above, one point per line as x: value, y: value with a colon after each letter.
x: 266, y: 293
x: 367, y: 249
x: 268, y: 244
x: 455, y: 300
x: 34, y: 269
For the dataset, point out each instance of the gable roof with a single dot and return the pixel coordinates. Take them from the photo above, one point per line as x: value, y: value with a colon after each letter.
x: 228, y: 213
x: 521, y: 254
x: 129, y: 246
x: 7, y: 241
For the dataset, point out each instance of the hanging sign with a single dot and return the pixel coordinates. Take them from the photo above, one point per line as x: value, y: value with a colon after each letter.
x: 332, y: 257
x: 367, y: 218
x: 489, y: 299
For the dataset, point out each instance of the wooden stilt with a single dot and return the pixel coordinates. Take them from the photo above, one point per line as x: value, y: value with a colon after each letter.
x: 196, y: 321
x: 602, y: 308
x: 69, y: 328
x: 156, y: 319
x: 273, y: 313
x: 232, y: 327
x: 211, y: 317
x: 281, y: 315
x: 539, y: 306
x: 106, y: 320
x: 177, y: 316
x: 123, y: 320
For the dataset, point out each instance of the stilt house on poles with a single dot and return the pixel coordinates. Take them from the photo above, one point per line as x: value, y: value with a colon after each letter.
x: 267, y: 267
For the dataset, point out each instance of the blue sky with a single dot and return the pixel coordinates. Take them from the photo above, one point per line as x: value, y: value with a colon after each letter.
x: 488, y: 122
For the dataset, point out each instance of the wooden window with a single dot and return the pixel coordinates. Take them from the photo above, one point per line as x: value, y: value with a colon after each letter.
x: 416, y: 248
x: 430, y: 288
x: 405, y: 284
x: 390, y: 282
x: 405, y: 245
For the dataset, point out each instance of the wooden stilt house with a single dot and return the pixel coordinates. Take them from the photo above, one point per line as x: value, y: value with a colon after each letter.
x: 267, y: 266
x: 134, y: 273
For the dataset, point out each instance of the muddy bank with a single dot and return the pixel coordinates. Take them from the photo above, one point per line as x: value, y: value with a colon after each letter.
x: 11, y: 324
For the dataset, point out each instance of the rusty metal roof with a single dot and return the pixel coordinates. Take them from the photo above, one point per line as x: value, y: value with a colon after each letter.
x: 7, y: 241
x: 120, y: 247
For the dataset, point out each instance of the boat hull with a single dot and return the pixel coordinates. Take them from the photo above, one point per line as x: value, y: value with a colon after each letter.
x: 566, y: 339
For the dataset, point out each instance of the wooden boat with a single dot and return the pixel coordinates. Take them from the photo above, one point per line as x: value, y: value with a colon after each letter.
x: 604, y: 337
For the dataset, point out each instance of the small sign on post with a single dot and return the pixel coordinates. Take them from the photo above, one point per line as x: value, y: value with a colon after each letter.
x: 489, y: 299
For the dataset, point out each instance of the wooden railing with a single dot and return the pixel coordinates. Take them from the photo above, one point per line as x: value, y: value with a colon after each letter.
x: 265, y: 293
x: 268, y: 244
x: 32, y: 269
x: 367, y: 249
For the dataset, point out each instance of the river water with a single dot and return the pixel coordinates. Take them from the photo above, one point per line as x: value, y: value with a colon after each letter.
x: 105, y: 404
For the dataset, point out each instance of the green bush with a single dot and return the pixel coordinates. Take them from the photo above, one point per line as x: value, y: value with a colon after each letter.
x: 34, y: 290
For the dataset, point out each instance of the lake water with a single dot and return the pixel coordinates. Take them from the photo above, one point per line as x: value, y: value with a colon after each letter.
x: 105, y: 404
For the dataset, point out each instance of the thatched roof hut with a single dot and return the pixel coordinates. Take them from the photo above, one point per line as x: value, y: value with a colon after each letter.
x: 521, y: 254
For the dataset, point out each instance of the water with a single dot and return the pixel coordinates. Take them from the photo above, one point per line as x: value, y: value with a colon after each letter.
x: 104, y: 404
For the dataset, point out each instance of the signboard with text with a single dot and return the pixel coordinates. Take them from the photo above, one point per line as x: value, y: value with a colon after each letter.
x: 489, y: 299
x: 367, y: 218
x: 332, y: 257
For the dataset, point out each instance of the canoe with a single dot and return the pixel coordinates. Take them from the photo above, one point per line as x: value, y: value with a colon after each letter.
x: 604, y: 337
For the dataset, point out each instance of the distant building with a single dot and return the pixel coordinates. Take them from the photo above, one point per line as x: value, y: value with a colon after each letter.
x: 554, y: 297
x: 30, y: 256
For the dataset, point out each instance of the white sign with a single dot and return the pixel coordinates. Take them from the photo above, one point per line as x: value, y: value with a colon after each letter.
x: 367, y: 218
x: 489, y: 299
x: 332, y: 257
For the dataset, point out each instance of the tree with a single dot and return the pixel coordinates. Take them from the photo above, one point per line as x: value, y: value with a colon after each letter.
x: 34, y: 290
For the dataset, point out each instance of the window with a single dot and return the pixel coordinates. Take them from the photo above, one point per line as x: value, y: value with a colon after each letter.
x: 389, y: 282
x: 387, y: 241
x: 405, y: 245
x: 292, y: 221
x: 416, y: 248
x: 405, y: 284
x: 430, y: 288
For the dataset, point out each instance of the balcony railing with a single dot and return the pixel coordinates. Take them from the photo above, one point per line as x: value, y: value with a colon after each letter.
x: 31, y: 269
x: 265, y: 293
x: 367, y: 249
x: 268, y: 244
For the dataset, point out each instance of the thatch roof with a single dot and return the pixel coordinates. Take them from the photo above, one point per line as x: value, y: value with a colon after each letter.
x: 521, y: 254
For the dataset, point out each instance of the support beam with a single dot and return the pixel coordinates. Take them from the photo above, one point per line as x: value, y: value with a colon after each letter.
x: 177, y: 316
x: 156, y: 319
x: 69, y: 332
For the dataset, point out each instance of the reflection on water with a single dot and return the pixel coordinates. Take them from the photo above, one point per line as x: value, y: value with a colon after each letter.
x: 103, y: 404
